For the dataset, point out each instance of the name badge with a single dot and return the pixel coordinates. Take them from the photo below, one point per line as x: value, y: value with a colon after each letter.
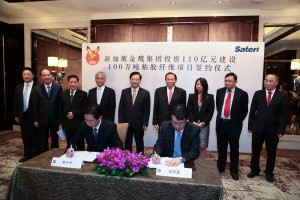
x: 174, y: 172
x: 67, y: 162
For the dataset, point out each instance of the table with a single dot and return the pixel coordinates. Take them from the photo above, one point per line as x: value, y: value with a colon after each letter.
x: 36, y: 179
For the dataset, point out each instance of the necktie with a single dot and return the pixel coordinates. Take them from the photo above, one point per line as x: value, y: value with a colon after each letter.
x: 99, y: 95
x: 71, y: 96
x: 170, y: 95
x: 177, y: 146
x: 95, y: 133
x: 48, y: 91
x: 25, y: 97
x: 133, y: 96
x: 269, y: 98
x: 227, y: 104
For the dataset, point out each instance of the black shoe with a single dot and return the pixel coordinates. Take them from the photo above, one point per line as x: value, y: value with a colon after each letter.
x: 235, y: 176
x: 221, y: 170
x: 270, y: 178
x: 252, y: 174
x: 24, y: 159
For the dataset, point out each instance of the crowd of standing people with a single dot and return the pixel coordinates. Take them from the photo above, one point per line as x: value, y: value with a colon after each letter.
x: 183, y: 125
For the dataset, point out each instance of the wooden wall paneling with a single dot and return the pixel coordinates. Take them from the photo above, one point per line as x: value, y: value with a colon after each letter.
x: 230, y: 31
x: 245, y: 32
x: 149, y: 33
x: 190, y: 32
x: 114, y: 33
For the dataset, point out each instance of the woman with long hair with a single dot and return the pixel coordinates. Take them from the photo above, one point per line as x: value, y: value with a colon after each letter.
x: 201, y: 106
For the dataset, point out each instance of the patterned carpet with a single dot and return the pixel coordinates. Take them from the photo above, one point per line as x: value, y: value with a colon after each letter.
x: 286, y: 184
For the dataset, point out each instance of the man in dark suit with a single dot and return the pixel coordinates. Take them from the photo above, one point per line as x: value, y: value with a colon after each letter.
x: 103, y: 96
x: 99, y: 133
x: 232, y: 107
x: 267, y: 121
x: 178, y: 139
x: 23, y: 114
x: 166, y: 98
x: 72, y: 104
x: 134, y: 108
x: 45, y: 101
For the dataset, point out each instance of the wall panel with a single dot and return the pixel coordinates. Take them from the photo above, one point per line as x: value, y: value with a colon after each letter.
x: 190, y: 32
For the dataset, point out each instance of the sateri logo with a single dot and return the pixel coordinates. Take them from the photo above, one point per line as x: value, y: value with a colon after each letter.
x: 246, y: 49
x: 92, y: 56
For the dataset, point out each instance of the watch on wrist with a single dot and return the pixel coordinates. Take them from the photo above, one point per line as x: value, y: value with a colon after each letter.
x: 182, y: 160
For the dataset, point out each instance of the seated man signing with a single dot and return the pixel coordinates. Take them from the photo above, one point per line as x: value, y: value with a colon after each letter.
x: 178, y: 139
x: 98, y: 133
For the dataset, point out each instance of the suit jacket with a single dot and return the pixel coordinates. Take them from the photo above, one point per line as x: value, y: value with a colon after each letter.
x: 238, y: 111
x: 138, y: 114
x: 107, y: 136
x: 77, y: 107
x: 46, y: 110
x: 271, y: 120
x: 206, y: 112
x: 190, y: 142
x: 18, y: 101
x: 162, y: 109
x: 108, y: 102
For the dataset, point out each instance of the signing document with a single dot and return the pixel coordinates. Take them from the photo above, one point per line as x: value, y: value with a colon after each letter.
x: 86, y: 156
x: 162, y: 163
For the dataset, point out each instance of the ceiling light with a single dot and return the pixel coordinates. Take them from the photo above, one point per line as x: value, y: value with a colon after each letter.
x: 128, y: 4
x: 172, y: 2
x: 220, y: 1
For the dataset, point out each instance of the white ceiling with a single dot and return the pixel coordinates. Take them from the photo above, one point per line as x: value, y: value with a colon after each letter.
x: 110, y: 9
x: 64, y: 8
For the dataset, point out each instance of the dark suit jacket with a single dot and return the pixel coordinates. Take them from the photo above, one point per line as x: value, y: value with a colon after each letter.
x: 18, y: 102
x: 238, y: 111
x: 190, y: 142
x: 138, y: 114
x: 162, y: 110
x: 107, y: 136
x: 271, y: 120
x: 108, y: 102
x: 77, y: 107
x: 46, y: 110
x: 206, y: 112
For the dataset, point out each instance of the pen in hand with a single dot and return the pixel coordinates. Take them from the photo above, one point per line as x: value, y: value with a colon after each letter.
x: 70, y: 151
x: 155, y: 158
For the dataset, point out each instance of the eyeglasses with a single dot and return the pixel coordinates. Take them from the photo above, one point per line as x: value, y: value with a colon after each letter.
x: 179, y: 124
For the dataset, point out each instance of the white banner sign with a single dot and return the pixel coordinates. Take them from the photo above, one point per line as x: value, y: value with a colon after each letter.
x: 188, y: 60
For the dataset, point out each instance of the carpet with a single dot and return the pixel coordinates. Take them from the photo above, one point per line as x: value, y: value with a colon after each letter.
x: 286, y: 184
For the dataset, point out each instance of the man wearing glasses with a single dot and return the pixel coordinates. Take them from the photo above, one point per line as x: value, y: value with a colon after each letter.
x: 178, y: 139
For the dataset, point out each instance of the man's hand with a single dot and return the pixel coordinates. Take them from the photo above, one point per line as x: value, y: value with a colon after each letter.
x: 173, y: 162
x: 17, y: 119
x: 70, y: 115
x: 156, y: 126
x: 70, y: 152
x: 155, y: 159
x: 36, y: 124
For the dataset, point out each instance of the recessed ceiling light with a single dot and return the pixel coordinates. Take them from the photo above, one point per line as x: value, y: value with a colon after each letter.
x: 172, y: 2
x: 220, y: 1
x: 128, y: 4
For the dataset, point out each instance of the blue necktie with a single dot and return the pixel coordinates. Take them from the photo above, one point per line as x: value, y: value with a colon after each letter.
x: 177, y: 146
x: 48, y: 91
x: 25, y: 96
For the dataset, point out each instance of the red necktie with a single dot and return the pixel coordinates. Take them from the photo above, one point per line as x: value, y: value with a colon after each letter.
x: 227, y: 104
x: 269, y: 98
x: 170, y: 95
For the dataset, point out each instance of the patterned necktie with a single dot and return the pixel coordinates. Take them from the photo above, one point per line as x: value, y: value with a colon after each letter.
x: 48, y: 91
x: 133, y: 96
x: 177, y: 145
x: 227, y: 104
x: 25, y: 97
x: 71, y: 96
x: 170, y: 95
x: 95, y: 133
x: 269, y: 98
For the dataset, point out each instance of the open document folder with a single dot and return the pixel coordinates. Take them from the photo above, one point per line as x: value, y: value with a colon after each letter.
x: 86, y: 156
x: 162, y: 163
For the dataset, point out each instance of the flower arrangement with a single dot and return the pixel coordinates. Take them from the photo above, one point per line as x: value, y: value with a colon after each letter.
x: 116, y: 162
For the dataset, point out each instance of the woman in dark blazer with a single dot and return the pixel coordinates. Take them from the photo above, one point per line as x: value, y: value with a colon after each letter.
x: 201, y: 106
